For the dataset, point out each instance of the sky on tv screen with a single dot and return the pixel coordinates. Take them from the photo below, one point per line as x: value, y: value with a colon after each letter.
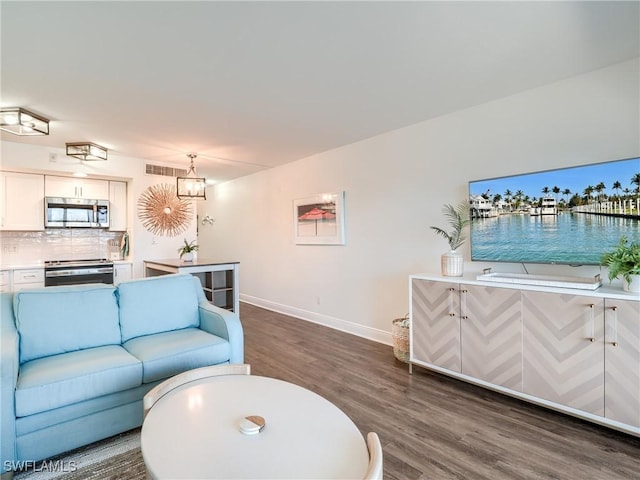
x: 575, y: 179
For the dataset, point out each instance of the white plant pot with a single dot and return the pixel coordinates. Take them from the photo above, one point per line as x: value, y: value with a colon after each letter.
x: 452, y: 264
x: 188, y: 257
x: 634, y: 286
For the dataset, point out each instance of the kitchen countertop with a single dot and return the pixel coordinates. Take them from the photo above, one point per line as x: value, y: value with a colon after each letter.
x: 21, y: 266
x: 26, y: 265
x: 198, y: 262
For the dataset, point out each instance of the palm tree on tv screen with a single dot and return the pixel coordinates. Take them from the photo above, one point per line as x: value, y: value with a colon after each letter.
x: 599, y: 188
x: 587, y: 193
x: 617, y: 186
x: 635, y: 180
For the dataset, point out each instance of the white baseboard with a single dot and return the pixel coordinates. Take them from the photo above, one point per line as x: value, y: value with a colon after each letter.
x: 369, y: 333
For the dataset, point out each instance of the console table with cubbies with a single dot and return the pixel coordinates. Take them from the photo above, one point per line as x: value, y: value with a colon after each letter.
x: 219, y: 279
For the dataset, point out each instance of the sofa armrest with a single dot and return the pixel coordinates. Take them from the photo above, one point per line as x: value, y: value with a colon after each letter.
x: 224, y: 324
x: 9, y: 364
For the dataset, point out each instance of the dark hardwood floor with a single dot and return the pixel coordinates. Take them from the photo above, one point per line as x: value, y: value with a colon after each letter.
x: 432, y: 426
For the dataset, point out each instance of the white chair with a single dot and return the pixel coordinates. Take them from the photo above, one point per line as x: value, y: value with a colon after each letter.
x: 160, y: 390
x: 374, y: 472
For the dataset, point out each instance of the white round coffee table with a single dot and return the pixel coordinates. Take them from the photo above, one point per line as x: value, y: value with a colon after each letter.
x: 194, y: 432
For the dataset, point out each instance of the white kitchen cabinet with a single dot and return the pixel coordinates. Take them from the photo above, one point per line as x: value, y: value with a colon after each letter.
x: 473, y: 330
x: 122, y: 272
x: 5, y: 281
x: 578, y: 351
x: 21, y: 201
x: 28, y: 278
x: 563, y: 349
x: 117, y: 206
x: 72, y: 187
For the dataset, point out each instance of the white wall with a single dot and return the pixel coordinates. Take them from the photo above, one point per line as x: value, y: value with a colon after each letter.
x: 144, y: 245
x: 396, y: 184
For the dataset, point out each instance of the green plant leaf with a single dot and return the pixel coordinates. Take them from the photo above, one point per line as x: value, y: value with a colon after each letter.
x: 623, y: 260
x: 457, y: 218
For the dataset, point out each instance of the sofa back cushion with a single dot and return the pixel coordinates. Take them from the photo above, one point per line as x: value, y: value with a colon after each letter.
x: 158, y: 304
x: 57, y: 320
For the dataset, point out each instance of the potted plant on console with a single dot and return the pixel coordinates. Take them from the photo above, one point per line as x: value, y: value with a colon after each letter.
x: 187, y: 250
x: 624, y: 261
x: 452, y: 262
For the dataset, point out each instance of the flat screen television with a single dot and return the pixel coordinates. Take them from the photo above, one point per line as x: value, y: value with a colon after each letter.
x: 568, y: 216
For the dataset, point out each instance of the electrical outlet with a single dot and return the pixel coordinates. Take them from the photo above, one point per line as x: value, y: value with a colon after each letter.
x: 10, y: 248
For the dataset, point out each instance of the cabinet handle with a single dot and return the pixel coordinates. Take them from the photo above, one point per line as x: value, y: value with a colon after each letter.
x: 451, y: 302
x: 614, y: 327
x: 592, y: 320
x: 463, y: 305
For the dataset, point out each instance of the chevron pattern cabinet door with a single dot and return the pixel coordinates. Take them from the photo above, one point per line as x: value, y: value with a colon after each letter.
x: 491, y: 326
x: 560, y: 363
x: 622, y: 361
x: 435, y: 323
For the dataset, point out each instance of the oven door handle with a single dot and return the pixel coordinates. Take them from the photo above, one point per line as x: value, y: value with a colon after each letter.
x: 81, y: 271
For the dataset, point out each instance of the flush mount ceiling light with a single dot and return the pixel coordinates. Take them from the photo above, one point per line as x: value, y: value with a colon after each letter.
x: 86, y: 151
x: 191, y: 186
x: 19, y: 121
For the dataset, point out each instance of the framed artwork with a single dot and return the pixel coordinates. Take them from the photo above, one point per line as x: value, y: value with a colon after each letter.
x: 319, y: 220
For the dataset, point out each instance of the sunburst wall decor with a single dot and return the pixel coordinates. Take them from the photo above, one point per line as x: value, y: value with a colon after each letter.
x: 162, y: 212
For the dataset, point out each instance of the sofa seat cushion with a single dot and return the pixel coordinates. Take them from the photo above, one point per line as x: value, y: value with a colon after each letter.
x: 158, y: 304
x: 56, y: 320
x: 166, y: 354
x: 59, y: 380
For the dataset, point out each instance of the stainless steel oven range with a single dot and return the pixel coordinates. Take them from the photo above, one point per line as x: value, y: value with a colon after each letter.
x: 77, y: 272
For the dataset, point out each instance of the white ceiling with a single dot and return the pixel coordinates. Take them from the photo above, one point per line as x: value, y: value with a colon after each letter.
x: 251, y: 85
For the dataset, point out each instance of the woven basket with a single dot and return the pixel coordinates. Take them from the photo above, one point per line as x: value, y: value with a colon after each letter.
x: 400, y: 336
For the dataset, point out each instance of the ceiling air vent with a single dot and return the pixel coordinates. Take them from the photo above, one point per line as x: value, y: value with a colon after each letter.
x: 165, y: 171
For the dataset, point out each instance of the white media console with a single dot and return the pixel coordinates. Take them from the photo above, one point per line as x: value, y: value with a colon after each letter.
x: 572, y: 350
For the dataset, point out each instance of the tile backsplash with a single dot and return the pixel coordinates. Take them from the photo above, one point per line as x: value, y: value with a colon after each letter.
x: 57, y: 244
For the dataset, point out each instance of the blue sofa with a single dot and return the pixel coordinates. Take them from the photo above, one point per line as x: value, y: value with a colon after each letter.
x: 76, y: 361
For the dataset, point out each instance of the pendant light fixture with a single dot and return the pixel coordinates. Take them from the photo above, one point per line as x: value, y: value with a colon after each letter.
x: 86, y: 151
x: 191, y: 186
x: 19, y: 121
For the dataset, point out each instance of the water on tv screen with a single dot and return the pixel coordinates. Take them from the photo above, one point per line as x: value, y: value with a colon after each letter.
x: 566, y: 216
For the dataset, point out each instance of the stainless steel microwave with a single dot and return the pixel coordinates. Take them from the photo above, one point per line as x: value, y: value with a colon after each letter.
x: 76, y: 213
